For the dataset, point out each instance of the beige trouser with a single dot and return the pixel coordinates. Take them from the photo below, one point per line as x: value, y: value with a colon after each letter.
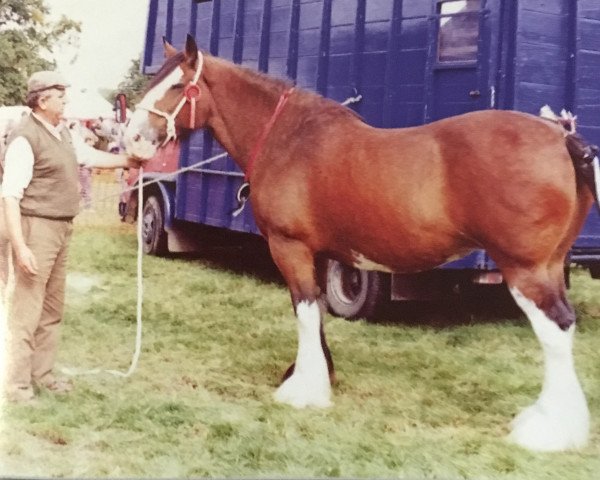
x: 4, y: 252
x: 37, y: 305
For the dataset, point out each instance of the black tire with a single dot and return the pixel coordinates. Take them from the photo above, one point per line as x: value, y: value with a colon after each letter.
x: 567, y: 273
x: 352, y: 293
x: 567, y: 270
x: 594, y: 270
x: 154, y: 237
x: 122, y: 211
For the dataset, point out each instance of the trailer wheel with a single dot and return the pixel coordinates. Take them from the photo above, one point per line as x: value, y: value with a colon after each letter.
x: 154, y: 237
x: 352, y: 293
x: 594, y: 270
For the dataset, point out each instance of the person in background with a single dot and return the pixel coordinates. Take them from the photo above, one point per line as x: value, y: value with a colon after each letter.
x: 41, y: 198
x: 84, y: 172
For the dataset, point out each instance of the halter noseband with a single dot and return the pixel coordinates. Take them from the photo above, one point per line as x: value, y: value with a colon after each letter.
x: 191, y: 93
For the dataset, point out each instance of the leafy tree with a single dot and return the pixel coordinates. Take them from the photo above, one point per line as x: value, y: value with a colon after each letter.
x: 26, y: 41
x: 132, y: 85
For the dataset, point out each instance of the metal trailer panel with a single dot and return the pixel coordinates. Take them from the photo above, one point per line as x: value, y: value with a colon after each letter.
x: 587, y: 106
x: 542, y: 67
x: 529, y: 53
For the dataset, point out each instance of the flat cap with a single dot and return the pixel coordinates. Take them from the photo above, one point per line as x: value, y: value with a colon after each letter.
x: 45, y: 80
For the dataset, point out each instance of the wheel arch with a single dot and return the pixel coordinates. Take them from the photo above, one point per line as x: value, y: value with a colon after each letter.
x: 352, y: 293
x: 165, y: 191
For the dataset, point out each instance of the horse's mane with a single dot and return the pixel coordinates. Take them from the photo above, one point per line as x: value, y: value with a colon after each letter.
x: 323, y: 106
x: 262, y: 80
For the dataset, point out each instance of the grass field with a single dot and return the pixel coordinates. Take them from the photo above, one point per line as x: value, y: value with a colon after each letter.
x: 424, y: 393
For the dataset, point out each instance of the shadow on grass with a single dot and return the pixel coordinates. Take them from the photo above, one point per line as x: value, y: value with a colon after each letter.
x: 492, y: 306
x: 238, y: 253
x: 244, y: 254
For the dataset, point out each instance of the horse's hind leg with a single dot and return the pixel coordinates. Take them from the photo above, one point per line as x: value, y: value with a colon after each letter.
x: 559, y: 419
x: 309, y: 384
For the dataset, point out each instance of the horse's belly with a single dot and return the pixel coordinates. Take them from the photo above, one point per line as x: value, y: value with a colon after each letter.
x: 405, y: 263
x: 362, y: 262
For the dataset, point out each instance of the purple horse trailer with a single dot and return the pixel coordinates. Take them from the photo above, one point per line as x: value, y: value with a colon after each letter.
x: 398, y: 63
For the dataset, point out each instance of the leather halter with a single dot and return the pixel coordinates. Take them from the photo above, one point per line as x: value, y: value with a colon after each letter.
x: 260, y: 143
x: 243, y: 192
x: 191, y: 94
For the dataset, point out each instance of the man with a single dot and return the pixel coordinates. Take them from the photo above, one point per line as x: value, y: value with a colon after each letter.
x: 4, y: 242
x: 41, y: 198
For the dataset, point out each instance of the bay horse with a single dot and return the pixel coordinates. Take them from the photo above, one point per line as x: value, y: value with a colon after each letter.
x: 324, y: 183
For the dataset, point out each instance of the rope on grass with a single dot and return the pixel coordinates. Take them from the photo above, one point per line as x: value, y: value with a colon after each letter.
x: 140, y: 296
x: 140, y: 285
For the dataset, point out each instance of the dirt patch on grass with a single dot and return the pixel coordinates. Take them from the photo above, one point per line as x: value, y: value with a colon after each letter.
x: 79, y: 283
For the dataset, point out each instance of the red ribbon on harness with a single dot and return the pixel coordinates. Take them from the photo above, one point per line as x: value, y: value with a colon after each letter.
x: 258, y: 146
x: 192, y: 93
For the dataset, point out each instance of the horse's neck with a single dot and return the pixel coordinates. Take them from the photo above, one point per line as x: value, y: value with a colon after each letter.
x: 242, y: 108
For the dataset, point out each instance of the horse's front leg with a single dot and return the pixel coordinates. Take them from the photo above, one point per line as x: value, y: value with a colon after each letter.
x: 309, y: 384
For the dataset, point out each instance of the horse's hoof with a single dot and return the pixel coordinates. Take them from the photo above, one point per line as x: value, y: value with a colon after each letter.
x: 302, y: 392
x: 548, y: 430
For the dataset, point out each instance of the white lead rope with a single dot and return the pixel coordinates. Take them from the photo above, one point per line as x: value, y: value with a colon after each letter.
x: 596, y: 165
x: 140, y: 285
x: 140, y: 296
x: 140, y: 290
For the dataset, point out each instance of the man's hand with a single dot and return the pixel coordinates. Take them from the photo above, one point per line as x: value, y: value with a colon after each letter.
x: 139, y: 150
x: 26, y: 260
x: 135, y: 162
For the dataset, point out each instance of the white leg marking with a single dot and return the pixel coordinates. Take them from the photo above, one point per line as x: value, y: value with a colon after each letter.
x: 559, y: 419
x: 309, y: 384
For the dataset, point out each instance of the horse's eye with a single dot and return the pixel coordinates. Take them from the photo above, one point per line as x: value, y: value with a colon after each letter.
x: 177, y: 86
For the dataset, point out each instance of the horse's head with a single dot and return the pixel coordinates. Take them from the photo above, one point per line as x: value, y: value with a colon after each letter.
x: 176, y: 98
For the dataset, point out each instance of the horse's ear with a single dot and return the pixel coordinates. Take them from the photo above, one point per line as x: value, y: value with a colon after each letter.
x: 170, y: 50
x: 191, y: 51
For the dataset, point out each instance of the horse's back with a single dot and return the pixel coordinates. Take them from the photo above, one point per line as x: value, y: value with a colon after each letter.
x: 508, y: 174
x: 482, y: 178
x: 421, y: 194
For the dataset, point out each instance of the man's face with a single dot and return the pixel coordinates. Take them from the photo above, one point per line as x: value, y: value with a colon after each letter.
x: 53, y: 105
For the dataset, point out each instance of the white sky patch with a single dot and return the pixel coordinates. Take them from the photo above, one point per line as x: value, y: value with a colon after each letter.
x: 112, y: 35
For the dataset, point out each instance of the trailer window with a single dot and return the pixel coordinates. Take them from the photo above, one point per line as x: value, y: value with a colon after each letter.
x: 458, y: 30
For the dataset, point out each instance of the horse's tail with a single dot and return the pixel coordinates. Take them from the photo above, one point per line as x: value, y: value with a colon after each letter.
x: 583, y: 154
x: 586, y: 162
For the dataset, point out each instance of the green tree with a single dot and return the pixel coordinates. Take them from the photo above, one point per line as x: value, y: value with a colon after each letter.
x: 132, y: 85
x: 26, y: 41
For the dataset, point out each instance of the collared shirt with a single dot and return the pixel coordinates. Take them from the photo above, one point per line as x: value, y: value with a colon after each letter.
x: 19, y: 159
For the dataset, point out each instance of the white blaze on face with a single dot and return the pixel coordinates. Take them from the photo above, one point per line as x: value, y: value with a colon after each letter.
x: 139, y: 126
